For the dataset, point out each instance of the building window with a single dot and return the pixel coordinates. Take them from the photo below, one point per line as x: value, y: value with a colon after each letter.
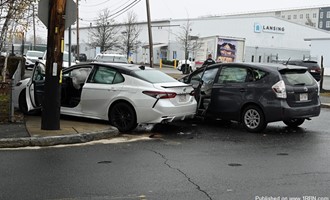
x: 321, y: 15
x: 328, y: 14
x: 327, y: 24
x: 314, y: 15
x: 301, y: 16
x: 307, y: 16
x: 283, y: 16
x: 252, y: 59
x: 321, y: 25
x: 260, y: 59
x: 294, y: 16
x: 289, y: 16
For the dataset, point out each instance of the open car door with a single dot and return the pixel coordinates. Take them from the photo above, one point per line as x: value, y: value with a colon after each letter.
x: 35, y: 87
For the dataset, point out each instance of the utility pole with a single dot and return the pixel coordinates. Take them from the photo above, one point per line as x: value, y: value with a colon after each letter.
x: 151, y: 50
x: 77, y: 30
x: 55, y: 46
x: 34, y: 27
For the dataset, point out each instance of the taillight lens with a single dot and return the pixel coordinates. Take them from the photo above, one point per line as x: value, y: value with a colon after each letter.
x: 279, y: 89
x: 160, y: 95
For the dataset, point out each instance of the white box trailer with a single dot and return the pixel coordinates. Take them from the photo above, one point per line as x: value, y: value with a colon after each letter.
x: 222, y: 48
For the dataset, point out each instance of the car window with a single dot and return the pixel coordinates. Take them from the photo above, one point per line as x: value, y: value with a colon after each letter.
x: 105, y: 75
x: 255, y: 75
x: 233, y: 75
x: 208, y: 76
x: 78, y: 76
x: 297, y: 77
x: 154, y: 76
x: 40, y: 72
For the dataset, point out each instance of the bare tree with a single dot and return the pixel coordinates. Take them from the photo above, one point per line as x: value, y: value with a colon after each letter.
x: 13, y: 18
x: 103, y: 35
x: 188, y: 42
x: 129, y: 35
x: 309, y: 22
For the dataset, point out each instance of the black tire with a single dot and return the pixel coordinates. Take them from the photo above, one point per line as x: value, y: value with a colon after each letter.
x: 23, y: 106
x: 22, y: 103
x: 122, y: 116
x: 294, y: 122
x: 253, y: 119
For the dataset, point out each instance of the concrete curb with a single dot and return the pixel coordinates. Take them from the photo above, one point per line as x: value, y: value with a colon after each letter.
x: 58, y: 140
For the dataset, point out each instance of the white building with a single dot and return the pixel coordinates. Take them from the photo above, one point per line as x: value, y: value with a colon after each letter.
x: 320, y: 48
x: 266, y: 38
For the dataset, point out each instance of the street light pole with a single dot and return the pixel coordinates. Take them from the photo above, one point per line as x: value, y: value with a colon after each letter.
x: 151, y: 54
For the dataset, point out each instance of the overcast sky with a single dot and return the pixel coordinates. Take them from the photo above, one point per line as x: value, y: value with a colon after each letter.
x: 165, y: 9
x: 178, y: 9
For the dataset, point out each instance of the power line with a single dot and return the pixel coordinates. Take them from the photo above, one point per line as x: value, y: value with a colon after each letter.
x: 117, y: 14
x: 106, y: 1
x: 120, y: 10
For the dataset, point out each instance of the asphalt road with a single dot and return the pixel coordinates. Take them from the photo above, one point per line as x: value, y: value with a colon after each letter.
x: 181, y: 161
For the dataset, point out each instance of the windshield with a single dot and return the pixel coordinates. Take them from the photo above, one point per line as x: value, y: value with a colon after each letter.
x: 34, y: 54
x: 111, y: 58
x: 154, y: 76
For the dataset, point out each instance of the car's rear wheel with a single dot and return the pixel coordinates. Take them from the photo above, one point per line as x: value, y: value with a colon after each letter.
x: 122, y: 116
x: 294, y: 122
x: 253, y: 119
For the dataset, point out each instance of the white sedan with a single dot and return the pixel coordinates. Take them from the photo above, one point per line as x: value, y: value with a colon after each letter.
x: 124, y: 94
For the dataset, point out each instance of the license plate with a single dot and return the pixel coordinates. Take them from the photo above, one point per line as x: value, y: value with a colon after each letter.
x: 303, y: 97
x: 182, y: 98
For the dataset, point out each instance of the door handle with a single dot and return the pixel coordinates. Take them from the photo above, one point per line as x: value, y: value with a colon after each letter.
x: 242, y: 90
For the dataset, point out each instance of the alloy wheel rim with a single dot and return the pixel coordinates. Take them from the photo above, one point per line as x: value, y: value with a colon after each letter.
x: 252, y: 119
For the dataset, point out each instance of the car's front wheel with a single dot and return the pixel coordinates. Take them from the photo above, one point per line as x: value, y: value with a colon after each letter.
x: 253, y: 119
x: 22, y: 103
x: 122, y: 116
x: 294, y: 122
x: 23, y: 106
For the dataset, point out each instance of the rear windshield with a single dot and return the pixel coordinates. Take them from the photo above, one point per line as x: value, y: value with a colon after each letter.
x: 154, y: 76
x: 34, y: 54
x: 297, y: 77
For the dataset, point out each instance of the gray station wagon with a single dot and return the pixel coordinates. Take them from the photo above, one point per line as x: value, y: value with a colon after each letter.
x: 256, y: 94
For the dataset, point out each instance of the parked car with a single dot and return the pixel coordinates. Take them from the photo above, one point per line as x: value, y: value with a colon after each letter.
x: 65, y: 63
x: 182, y: 65
x: 124, y: 94
x: 110, y: 58
x: 31, y: 57
x: 256, y: 94
x: 312, y: 66
x: 82, y: 57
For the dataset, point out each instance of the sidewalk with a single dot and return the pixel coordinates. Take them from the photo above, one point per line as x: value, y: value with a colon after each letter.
x: 72, y: 130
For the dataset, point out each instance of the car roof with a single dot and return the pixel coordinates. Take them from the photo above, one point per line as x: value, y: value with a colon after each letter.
x: 110, y: 54
x: 263, y: 66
